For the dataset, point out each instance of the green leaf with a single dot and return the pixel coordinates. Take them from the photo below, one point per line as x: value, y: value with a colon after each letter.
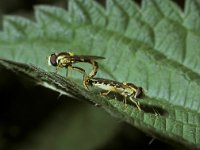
x: 156, y: 47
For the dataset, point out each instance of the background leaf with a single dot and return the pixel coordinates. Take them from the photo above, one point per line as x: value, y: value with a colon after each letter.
x: 155, y: 47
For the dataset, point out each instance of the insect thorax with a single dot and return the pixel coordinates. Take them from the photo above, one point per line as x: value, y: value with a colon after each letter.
x: 128, y: 92
x: 64, y: 61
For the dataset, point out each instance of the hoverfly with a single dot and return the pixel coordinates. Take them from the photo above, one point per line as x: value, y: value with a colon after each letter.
x: 128, y: 90
x: 67, y: 59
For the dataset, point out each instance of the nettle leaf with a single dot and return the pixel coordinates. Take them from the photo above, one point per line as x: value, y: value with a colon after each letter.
x: 156, y: 47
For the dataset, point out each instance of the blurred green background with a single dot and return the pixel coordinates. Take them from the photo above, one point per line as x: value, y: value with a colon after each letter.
x: 33, y: 117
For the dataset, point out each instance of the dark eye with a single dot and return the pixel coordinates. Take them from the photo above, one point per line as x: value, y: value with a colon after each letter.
x: 53, y: 60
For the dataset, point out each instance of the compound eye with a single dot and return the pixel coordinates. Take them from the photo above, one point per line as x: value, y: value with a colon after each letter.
x: 53, y: 58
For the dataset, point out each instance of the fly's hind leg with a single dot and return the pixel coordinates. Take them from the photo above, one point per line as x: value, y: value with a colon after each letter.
x: 81, y: 71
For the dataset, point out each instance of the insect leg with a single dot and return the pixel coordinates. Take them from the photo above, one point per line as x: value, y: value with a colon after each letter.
x: 136, y: 103
x: 156, y: 113
x: 105, y: 93
x: 81, y: 71
x: 56, y: 70
x: 124, y: 100
x: 67, y: 71
x: 95, y: 68
x: 94, y: 71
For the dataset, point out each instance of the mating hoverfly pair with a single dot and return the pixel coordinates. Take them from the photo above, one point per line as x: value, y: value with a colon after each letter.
x: 68, y: 59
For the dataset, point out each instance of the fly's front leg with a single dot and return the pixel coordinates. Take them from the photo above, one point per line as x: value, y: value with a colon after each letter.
x: 81, y: 71
x: 66, y: 71
x: 56, y: 70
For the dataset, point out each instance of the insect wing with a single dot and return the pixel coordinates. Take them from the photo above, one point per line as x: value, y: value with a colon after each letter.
x: 86, y: 57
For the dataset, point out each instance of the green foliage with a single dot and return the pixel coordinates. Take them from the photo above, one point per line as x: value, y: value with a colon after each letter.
x: 156, y: 47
